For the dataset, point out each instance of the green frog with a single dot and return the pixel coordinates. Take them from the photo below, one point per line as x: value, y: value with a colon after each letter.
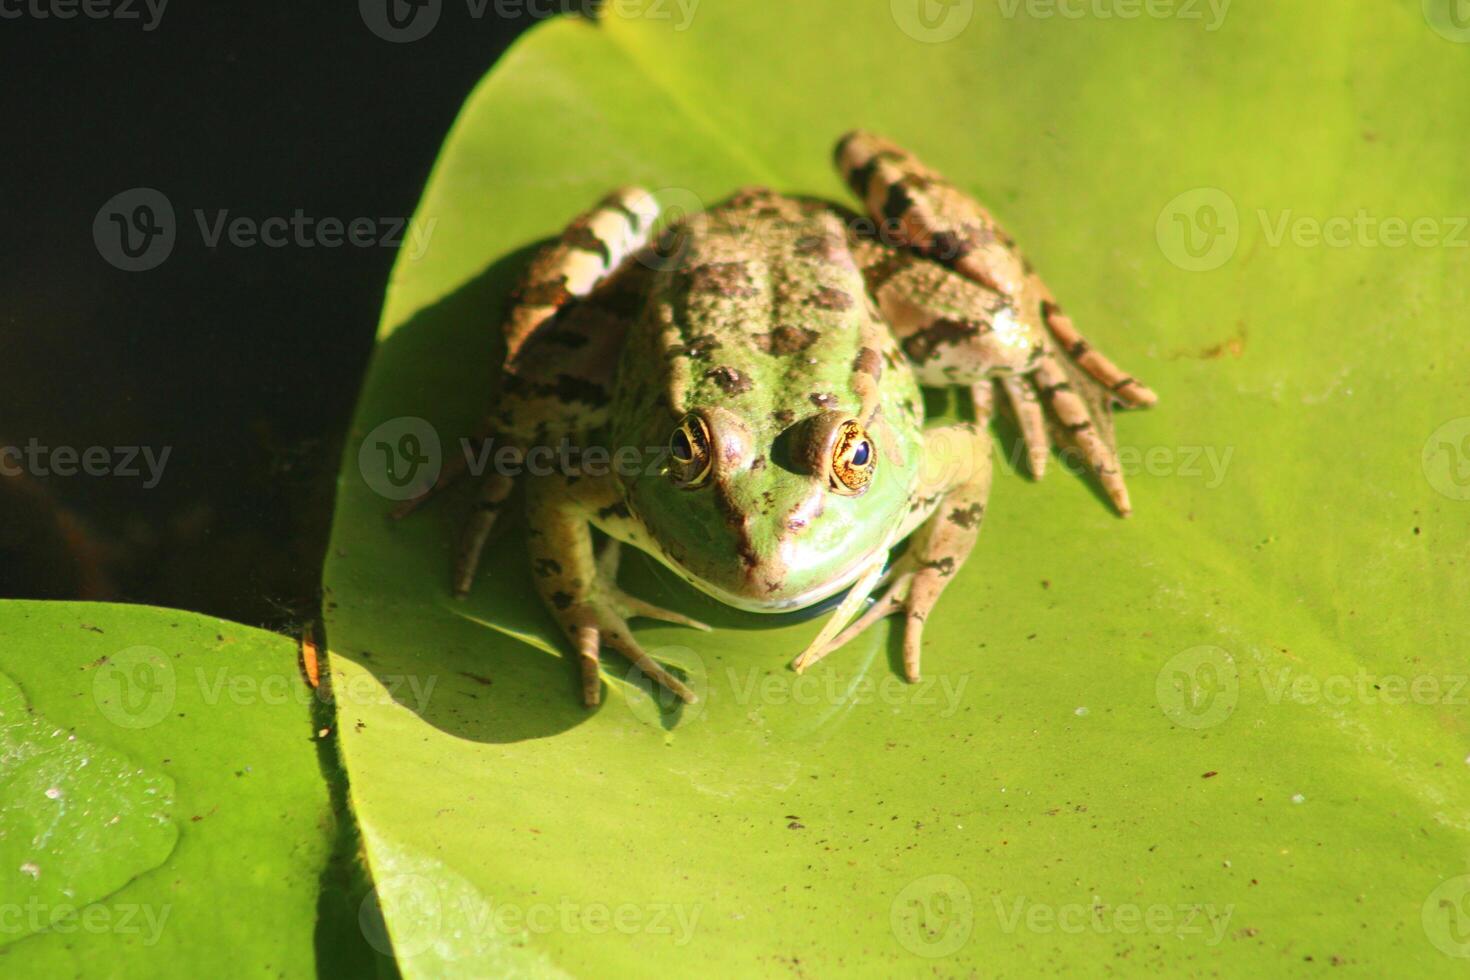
x: 741, y: 386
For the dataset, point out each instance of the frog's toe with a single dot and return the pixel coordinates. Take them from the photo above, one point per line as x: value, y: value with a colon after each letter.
x: 608, y: 629
x: 629, y: 606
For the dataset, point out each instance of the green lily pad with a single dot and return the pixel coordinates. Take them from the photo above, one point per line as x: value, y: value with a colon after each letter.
x: 1228, y: 734
x: 162, y: 805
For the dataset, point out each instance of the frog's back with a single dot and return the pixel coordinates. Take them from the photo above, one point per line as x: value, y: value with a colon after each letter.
x: 760, y: 309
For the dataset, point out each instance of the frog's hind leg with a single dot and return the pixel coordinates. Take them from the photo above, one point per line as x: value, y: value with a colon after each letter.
x: 920, y: 210
x: 563, y: 330
x: 585, y: 253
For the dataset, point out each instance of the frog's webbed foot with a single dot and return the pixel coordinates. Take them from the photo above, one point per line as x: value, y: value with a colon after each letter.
x: 580, y: 590
x: 951, y: 513
x: 629, y: 606
x: 911, y: 588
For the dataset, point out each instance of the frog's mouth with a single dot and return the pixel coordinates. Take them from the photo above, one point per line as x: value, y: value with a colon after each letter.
x: 778, y: 603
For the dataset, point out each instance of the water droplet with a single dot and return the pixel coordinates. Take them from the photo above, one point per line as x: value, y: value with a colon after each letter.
x: 53, y: 793
x: 1080, y: 712
x: 1298, y: 798
x: 31, y: 868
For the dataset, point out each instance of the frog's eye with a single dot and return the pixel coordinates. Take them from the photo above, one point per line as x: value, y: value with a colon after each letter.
x: 853, y: 458
x: 690, y: 461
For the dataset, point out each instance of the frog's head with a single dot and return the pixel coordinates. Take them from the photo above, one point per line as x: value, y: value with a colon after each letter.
x: 776, y: 518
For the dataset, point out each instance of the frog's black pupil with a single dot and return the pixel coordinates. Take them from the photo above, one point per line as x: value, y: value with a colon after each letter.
x: 860, y: 454
x: 681, y: 448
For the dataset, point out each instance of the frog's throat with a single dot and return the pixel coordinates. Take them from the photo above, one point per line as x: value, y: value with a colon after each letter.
x: 790, y: 603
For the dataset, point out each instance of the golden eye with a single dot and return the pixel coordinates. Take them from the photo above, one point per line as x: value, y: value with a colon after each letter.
x: 690, y: 461
x: 853, y: 459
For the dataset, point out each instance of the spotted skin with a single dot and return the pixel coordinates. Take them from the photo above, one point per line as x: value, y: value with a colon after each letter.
x: 764, y: 359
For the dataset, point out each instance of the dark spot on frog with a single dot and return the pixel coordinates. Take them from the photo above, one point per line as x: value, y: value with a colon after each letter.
x: 827, y: 298
x: 784, y: 415
x: 581, y: 236
x: 785, y: 340
x: 546, y: 566
x: 619, y: 510
x: 861, y: 176
x: 897, y: 204
x: 731, y: 381
x: 943, y: 332
x: 697, y: 349
x: 823, y: 400
x: 574, y: 389
x: 946, y: 246
x: 721, y: 279
x: 759, y: 463
x: 550, y: 292
x: 824, y: 247
x: 967, y: 517
x: 944, y: 566
x: 868, y: 362
x: 561, y: 600
x: 566, y: 338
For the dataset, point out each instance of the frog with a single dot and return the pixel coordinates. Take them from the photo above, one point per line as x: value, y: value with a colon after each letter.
x: 741, y: 388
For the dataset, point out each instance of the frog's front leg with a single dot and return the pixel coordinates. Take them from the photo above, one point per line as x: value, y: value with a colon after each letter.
x: 945, y: 512
x: 579, y: 590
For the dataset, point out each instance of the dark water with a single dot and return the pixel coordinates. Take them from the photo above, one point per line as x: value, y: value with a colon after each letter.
x: 239, y: 357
